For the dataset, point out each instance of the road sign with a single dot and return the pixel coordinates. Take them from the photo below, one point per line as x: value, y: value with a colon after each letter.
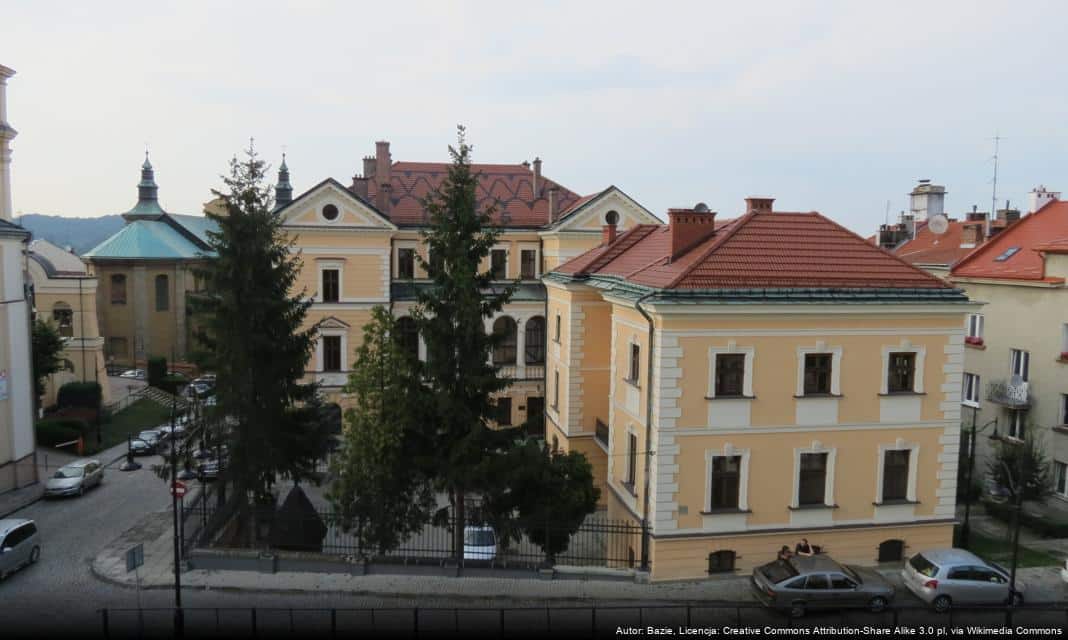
x: 135, y: 557
x: 178, y: 489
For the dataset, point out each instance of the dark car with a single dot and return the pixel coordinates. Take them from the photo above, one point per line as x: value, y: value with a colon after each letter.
x: 805, y: 583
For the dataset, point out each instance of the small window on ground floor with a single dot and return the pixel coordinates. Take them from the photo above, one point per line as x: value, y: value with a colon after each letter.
x: 891, y: 550
x: 721, y: 561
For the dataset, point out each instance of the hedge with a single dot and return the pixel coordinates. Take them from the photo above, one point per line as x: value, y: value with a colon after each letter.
x: 1042, y: 524
x: 80, y: 394
x: 157, y: 371
x: 53, y: 431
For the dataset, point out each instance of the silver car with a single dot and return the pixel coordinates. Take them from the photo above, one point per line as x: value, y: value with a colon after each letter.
x: 947, y: 577
x: 20, y: 545
x: 804, y: 583
x: 75, y: 478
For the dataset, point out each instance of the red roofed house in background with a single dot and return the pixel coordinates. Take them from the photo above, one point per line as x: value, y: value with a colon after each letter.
x: 740, y: 384
x: 359, y: 244
x: 1016, y: 360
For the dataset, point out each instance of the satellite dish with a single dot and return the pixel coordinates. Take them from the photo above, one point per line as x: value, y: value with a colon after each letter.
x: 938, y: 224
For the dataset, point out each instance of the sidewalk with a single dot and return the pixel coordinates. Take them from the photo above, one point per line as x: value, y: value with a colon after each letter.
x: 155, y: 532
x: 48, y: 460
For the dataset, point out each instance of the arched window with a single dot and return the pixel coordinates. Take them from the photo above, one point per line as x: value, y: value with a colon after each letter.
x: 163, y: 293
x: 63, y: 317
x: 118, y: 288
x: 721, y: 561
x: 534, y: 350
x: 505, y: 331
x: 408, y: 336
x: 891, y: 551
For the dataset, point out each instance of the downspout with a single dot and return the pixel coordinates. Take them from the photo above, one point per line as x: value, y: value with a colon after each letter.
x: 545, y: 342
x: 648, y: 432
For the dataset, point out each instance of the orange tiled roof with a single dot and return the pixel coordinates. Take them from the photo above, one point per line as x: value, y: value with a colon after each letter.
x: 932, y: 248
x: 510, y: 187
x: 757, y: 250
x: 1028, y: 234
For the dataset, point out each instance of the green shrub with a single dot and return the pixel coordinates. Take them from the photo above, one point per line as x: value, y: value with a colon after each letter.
x: 157, y: 371
x: 53, y: 431
x: 80, y: 394
x: 171, y: 384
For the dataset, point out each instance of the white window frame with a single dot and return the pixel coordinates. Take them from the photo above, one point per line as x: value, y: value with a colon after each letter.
x: 1064, y: 338
x: 319, y: 351
x: 558, y: 331
x: 530, y: 246
x: 1064, y: 409
x: 728, y: 451
x: 506, y: 248
x: 732, y: 348
x: 836, y: 367
x: 556, y: 391
x: 631, y: 433
x: 1057, y: 464
x: 970, y: 386
x: 905, y: 346
x: 828, y: 482
x: 1020, y: 363
x: 914, y: 458
x: 630, y: 361
x: 327, y: 265
x: 1017, y: 425
x: 975, y: 325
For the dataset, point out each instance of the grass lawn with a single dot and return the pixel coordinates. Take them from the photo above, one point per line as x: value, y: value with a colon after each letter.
x: 141, y: 415
x: 1000, y: 551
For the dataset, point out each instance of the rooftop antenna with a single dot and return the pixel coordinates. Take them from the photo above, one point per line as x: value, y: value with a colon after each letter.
x: 886, y: 216
x: 994, y: 195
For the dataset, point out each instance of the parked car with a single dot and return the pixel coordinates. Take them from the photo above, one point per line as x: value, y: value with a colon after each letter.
x: 1064, y: 571
x: 135, y: 374
x: 480, y: 543
x: 805, y: 583
x: 20, y: 545
x: 147, y: 442
x: 945, y: 577
x: 75, y: 478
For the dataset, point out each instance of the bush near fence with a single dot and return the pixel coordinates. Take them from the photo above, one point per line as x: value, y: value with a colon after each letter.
x: 54, y: 431
x: 1044, y: 524
x: 80, y: 394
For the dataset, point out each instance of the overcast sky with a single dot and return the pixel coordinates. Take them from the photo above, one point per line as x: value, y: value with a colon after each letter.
x: 835, y: 107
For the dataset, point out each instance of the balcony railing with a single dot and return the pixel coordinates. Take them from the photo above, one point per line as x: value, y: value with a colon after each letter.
x: 601, y: 433
x: 528, y: 372
x: 1013, y: 393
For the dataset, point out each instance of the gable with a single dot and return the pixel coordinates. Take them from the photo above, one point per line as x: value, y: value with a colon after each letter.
x: 591, y: 215
x: 307, y: 209
x: 332, y: 322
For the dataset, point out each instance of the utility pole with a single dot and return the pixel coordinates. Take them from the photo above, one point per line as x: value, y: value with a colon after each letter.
x: 965, y: 530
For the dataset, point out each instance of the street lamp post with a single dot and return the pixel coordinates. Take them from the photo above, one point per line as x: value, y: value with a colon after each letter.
x: 1017, y: 487
x: 179, y: 621
x: 965, y: 530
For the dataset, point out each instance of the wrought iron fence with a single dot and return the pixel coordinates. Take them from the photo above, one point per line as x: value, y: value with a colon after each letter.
x: 720, y: 618
x: 509, y: 543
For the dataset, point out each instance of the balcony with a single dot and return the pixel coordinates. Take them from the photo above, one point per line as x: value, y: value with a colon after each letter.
x: 601, y: 433
x: 1012, y: 393
x: 522, y: 372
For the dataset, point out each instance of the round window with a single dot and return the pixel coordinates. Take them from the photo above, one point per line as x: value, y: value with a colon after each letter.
x: 612, y: 217
x: 330, y: 212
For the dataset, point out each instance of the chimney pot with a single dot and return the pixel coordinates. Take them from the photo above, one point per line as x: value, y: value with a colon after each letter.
x: 608, y: 234
x: 553, y: 192
x: 383, y: 164
x: 689, y: 228
x: 368, y: 167
x: 755, y: 204
x: 537, y: 177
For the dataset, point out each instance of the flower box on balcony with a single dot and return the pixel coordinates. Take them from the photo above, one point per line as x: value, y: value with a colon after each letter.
x: 975, y: 341
x: 1064, y: 356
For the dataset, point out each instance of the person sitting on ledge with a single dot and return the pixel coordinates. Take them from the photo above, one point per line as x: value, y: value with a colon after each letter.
x: 804, y: 548
x: 785, y: 553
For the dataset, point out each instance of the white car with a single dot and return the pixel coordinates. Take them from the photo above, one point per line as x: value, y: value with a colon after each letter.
x: 135, y: 374
x: 480, y: 543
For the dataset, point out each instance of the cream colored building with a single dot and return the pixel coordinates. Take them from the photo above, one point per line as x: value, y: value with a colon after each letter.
x: 741, y: 384
x: 358, y: 245
x: 17, y: 465
x: 64, y: 294
x: 1016, y: 356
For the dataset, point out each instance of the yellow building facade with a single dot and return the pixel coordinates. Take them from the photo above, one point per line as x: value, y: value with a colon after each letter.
x: 358, y: 243
x: 740, y: 385
x: 64, y: 295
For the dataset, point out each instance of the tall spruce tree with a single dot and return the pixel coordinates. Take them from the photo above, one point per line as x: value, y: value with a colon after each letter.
x: 47, y: 347
x: 253, y: 335
x: 377, y: 494
x: 459, y: 376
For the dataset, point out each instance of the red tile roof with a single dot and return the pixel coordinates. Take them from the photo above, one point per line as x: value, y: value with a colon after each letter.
x: 931, y: 248
x: 1030, y: 233
x: 508, y: 186
x: 757, y: 250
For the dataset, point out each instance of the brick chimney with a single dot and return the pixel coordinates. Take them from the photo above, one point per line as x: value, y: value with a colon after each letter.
x: 690, y: 227
x: 537, y: 178
x: 359, y: 186
x: 758, y: 205
x: 971, y: 234
x: 608, y: 234
x: 553, y: 193
x: 383, y: 165
x: 368, y: 167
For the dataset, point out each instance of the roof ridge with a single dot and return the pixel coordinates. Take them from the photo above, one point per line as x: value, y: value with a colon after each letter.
x: 737, y: 224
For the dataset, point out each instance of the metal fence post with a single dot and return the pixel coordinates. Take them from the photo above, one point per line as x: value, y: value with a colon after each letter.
x: 688, y: 625
x: 254, y: 633
x: 333, y: 623
x: 104, y: 622
x: 501, y: 617
x: 415, y: 621
x: 593, y: 622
